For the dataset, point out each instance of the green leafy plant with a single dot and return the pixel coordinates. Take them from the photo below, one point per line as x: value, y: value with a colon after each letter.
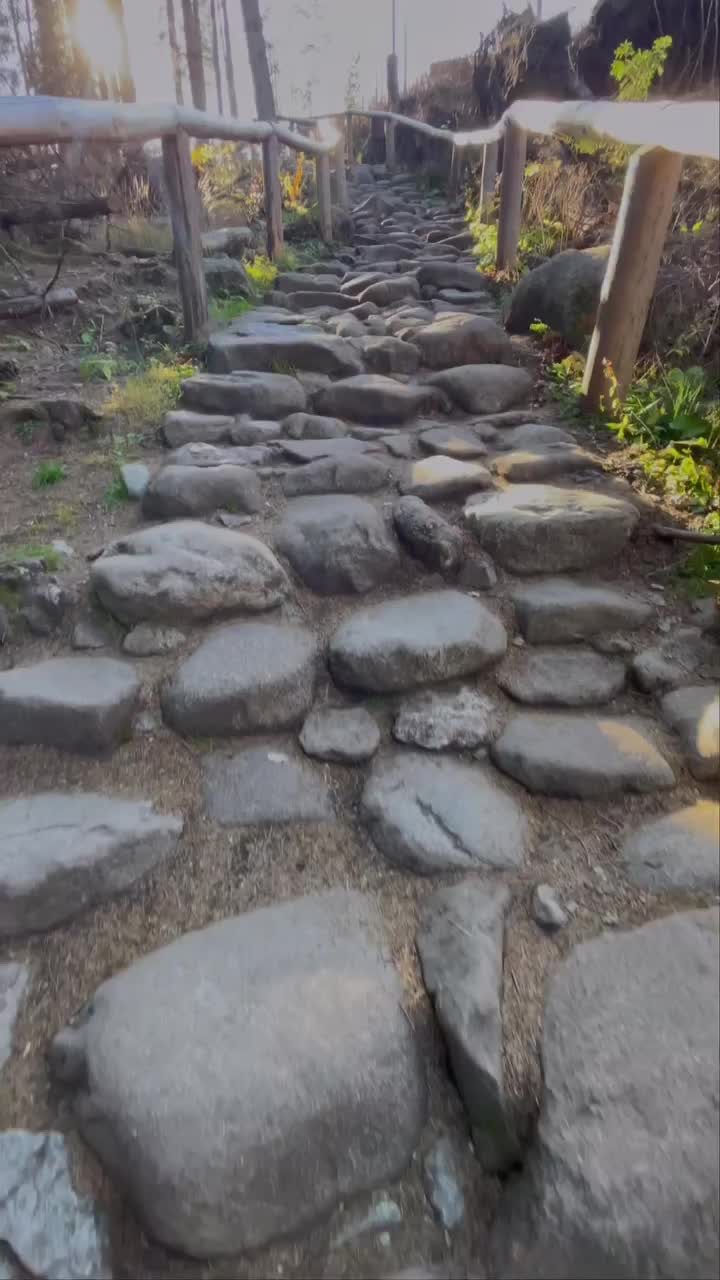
x: 25, y: 552
x: 223, y: 310
x: 262, y: 272
x: 47, y: 474
x: 98, y: 368
x: 147, y: 395
x: 636, y: 70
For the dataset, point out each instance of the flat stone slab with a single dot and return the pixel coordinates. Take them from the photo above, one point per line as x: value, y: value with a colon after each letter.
x: 694, y: 713
x: 557, y: 609
x: 76, y: 704
x: 580, y: 755
x: 440, y: 477
x: 631, y: 1088
x: 457, y: 338
x: 346, y: 735
x: 244, y: 677
x: 560, y: 677
x: 14, y: 979
x: 313, y: 352
x: 270, y: 395
x: 338, y: 544
x: 374, y: 400
x: 451, y: 275
x: 264, y: 784
x: 185, y: 572
x: 304, y: 282
x: 530, y: 435
x: 338, y: 475
x: 685, y: 658
x: 484, y: 388
x: 460, y: 943
x: 51, y: 1230
x: 389, y: 355
x: 313, y: 426
x: 427, y: 536
x: 182, y: 426
x: 543, y: 462
x: 678, y: 851
x: 437, y: 719
x: 178, y: 492
x: 416, y: 640
x: 434, y: 815
x: 200, y: 454
x: 456, y: 442
x: 312, y: 450
x: 534, y: 528
x: 313, y: 1066
x: 63, y: 853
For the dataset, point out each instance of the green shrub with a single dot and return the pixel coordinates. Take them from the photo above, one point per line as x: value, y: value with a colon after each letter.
x: 46, y: 474
x: 636, y: 70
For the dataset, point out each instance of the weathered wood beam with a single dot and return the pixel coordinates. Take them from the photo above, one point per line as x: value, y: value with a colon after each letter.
x: 55, y: 211
x: 390, y: 160
x: 650, y: 185
x: 511, y: 188
x: 456, y: 168
x: 489, y: 177
x: 184, y: 204
x: 275, y: 237
x: 322, y: 177
x: 341, y: 187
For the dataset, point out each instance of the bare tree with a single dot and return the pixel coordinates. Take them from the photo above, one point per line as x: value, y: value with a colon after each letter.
x: 175, y: 52
x: 125, y: 81
x: 229, y: 65
x: 194, y: 52
x: 216, y: 55
x: 258, y: 56
x: 14, y: 16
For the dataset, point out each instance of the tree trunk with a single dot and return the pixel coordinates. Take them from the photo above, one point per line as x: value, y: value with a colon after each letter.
x: 28, y: 19
x: 194, y: 52
x: 229, y: 65
x: 175, y: 52
x: 259, y: 66
x: 12, y: 5
x: 125, y: 82
x: 216, y: 55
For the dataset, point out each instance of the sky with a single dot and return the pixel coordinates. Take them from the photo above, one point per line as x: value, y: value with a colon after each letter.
x: 314, y: 43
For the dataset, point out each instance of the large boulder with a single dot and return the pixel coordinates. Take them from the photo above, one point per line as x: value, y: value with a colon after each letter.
x: 694, y: 713
x: 270, y: 395
x: 484, y: 388
x: 182, y: 1067
x: 374, y: 400
x: 232, y: 241
x: 338, y: 544
x: 534, y: 528
x: 186, y: 572
x: 433, y: 815
x: 416, y: 640
x: 622, y: 1180
x: 451, y: 275
x: 225, y: 276
x: 563, y: 293
x: 75, y: 704
x: 244, y: 677
x: 176, y: 492
x: 60, y: 854
x: 458, y: 338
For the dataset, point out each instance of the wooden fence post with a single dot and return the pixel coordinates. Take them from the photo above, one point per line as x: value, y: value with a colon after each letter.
x: 322, y: 177
x: 390, y: 145
x: 341, y: 186
x: 184, y: 203
x: 456, y: 168
x: 489, y: 178
x: 511, y: 188
x: 650, y: 185
x: 273, y: 197
x: 349, y: 138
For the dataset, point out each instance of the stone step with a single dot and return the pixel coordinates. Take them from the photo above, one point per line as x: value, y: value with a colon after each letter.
x: 76, y: 704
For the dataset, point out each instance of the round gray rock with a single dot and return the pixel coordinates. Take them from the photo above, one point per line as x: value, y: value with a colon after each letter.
x: 346, y: 735
x: 246, y: 676
x: 678, y: 851
x: 272, y: 395
x: 427, y: 535
x: 337, y: 544
x: 437, y: 815
x: 374, y: 400
x: 556, y: 609
x: 484, y: 388
x: 533, y: 528
x: 177, y: 491
x: 580, y: 755
x: 185, y: 572
x: 75, y: 704
x: 559, y: 677
x: 60, y: 854
x: 416, y: 640
x: 456, y: 339
x: 215, y: 1072
x: 436, y: 719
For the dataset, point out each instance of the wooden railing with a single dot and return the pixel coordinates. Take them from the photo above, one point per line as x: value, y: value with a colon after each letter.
x: 662, y: 131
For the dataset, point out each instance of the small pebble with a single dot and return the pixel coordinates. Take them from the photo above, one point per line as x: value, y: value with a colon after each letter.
x: 546, y: 908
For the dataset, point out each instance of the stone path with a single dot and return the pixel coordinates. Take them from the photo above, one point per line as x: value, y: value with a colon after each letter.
x: 385, y: 775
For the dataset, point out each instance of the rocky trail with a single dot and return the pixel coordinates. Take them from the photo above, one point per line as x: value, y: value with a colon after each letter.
x: 358, y: 823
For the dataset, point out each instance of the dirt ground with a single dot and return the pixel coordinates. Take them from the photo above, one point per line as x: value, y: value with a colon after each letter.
x: 216, y: 873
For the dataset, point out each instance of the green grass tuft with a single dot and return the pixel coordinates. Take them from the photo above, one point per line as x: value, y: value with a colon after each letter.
x: 47, y: 474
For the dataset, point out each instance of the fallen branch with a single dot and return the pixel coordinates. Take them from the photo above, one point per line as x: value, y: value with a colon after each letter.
x: 686, y: 535
x: 15, y: 308
x: 49, y: 287
x: 55, y: 211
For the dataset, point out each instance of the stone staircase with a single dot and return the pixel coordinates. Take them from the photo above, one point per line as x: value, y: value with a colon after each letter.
x: 359, y: 915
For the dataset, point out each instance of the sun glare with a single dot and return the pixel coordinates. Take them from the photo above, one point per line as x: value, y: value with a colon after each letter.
x: 95, y: 33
